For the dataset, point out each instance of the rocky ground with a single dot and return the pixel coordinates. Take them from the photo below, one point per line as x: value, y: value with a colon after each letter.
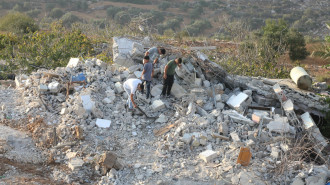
x: 205, y: 133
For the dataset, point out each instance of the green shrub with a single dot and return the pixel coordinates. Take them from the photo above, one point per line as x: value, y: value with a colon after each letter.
x: 198, y: 27
x: 164, y: 5
x: 56, y: 13
x: 122, y: 17
x: 68, y: 19
x: 17, y: 23
x: 43, y: 49
x: 33, y: 13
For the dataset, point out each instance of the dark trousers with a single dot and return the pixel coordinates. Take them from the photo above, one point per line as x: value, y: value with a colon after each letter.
x: 167, y: 85
x: 148, y: 84
x: 148, y: 87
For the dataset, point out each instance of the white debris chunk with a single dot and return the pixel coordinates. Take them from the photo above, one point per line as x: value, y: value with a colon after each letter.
x: 119, y: 87
x: 280, y: 125
x: 88, y: 104
x: 54, y: 87
x: 307, y: 120
x: 208, y: 155
x: 75, y: 164
x: 103, y: 123
x: 158, y: 105
x: 235, y: 137
x: 235, y: 101
x: 43, y: 88
x: 73, y: 62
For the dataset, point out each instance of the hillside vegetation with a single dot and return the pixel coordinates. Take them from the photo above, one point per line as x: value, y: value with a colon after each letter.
x: 43, y: 34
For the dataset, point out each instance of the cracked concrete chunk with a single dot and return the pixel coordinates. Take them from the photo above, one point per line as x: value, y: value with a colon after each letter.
x: 103, y: 123
x: 158, y: 105
x: 87, y: 103
x: 280, y: 125
x: 73, y: 62
x: 75, y: 164
x: 307, y: 120
x: 208, y: 155
x: 235, y: 102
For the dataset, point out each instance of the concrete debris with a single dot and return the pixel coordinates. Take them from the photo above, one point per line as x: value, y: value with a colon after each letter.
x: 73, y: 62
x: 158, y: 105
x: 280, y: 125
x: 103, y: 123
x: 195, y: 122
x: 235, y: 102
x: 208, y: 155
x: 307, y: 120
x: 75, y: 163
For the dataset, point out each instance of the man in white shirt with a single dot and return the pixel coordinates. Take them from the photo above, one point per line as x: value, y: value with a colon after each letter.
x: 130, y: 86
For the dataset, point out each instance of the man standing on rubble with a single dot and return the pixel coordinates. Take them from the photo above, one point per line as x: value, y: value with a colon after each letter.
x: 154, y: 54
x: 168, y: 78
x: 147, y: 74
x: 130, y: 86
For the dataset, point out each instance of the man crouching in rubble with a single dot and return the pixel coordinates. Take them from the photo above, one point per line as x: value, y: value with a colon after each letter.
x: 130, y: 86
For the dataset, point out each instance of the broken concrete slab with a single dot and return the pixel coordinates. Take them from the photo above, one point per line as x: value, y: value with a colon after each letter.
x: 119, y: 87
x: 234, y: 136
x: 156, y: 90
x: 280, y: 125
x: 73, y: 62
x: 307, y: 120
x: 87, y: 103
x: 138, y: 74
x: 158, y: 105
x: 103, y: 123
x: 235, y: 101
x: 122, y: 48
x: 75, y: 163
x: 178, y: 91
x: 54, y: 87
x: 208, y: 155
x: 43, y: 88
x: 238, y: 118
x: 161, y: 119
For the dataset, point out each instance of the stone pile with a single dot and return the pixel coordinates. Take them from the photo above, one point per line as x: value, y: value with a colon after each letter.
x: 200, y: 129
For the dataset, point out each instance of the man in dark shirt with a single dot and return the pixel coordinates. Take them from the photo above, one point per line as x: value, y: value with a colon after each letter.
x: 147, y: 74
x: 168, y: 78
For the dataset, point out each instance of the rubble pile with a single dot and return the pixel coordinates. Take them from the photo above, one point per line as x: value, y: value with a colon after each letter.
x: 206, y: 132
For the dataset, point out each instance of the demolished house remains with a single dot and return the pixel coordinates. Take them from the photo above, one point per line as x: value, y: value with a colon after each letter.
x: 215, y: 129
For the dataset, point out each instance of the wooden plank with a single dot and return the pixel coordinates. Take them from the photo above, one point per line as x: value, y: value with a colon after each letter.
x: 162, y: 131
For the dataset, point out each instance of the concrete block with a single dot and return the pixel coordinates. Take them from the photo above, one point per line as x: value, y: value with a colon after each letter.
x: 206, y: 84
x: 64, y: 111
x: 43, y: 88
x: 103, y: 123
x: 116, y: 78
x: 235, y: 137
x: 161, y: 119
x: 158, y: 105
x: 119, y: 87
x: 102, y: 64
x: 319, y: 137
x: 238, y: 118
x: 73, y: 62
x: 156, y: 90
x: 138, y: 74
x: 75, y: 164
x: 275, y: 152
x: 54, y: 87
x: 178, y: 91
x: 134, y: 68
x: 235, y: 101
x: 198, y: 82
x: 208, y: 155
x: 70, y: 155
x: 122, y: 48
x: 87, y: 103
x: 280, y: 125
x: 307, y: 120
x: 218, y: 97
